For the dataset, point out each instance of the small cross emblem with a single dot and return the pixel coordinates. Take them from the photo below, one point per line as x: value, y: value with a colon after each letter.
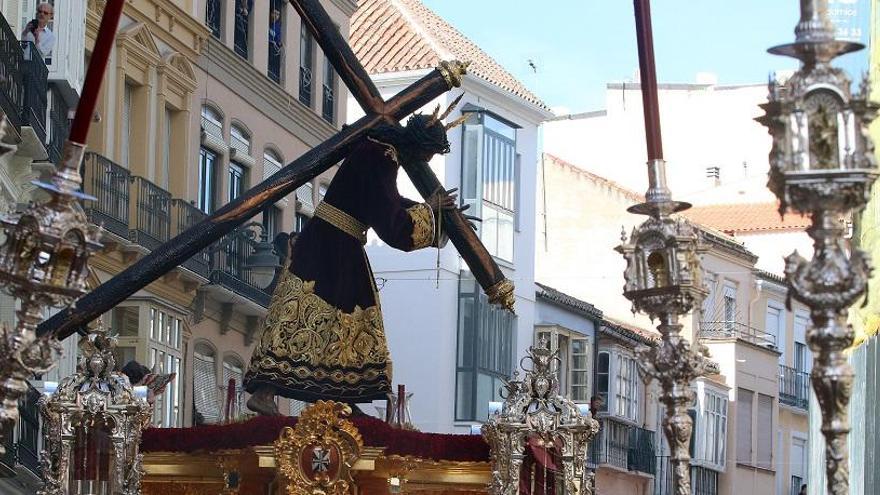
x: 320, y: 460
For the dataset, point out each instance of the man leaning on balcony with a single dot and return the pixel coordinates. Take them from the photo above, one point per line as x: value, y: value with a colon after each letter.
x: 37, y: 30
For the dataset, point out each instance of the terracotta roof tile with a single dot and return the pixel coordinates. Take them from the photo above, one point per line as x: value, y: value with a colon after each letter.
x: 399, y: 35
x: 742, y: 218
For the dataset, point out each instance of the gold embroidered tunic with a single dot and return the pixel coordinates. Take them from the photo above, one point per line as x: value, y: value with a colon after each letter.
x: 324, y: 337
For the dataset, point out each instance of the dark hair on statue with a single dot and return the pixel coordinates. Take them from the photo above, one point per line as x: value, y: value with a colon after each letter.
x: 422, y: 133
x: 135, y: 372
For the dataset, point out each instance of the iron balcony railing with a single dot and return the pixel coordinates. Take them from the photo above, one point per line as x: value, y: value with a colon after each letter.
x: 327, y: 104
x: 185, y: 216
x: 794, y: 387
x: 274, y: 69
x: 720, y: 330
x: 11, y: 75
x: 213, y: 8
x: 59, y: 125
x: 35, y: 78
x: 242, y: 28
x: 623, y: 446
x: 228, y: 267
x: 152, y: 214
x: 305, y: 86
x: 110, y: 184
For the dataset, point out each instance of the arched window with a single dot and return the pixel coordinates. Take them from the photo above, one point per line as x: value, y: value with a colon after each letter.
x: 232, y: 391
x: 207, y: 407
x: 272, y: 163
x: 240, y: 139
x: 212, y: 121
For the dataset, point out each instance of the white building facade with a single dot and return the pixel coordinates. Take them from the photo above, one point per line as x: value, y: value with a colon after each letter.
x: 448, y: 345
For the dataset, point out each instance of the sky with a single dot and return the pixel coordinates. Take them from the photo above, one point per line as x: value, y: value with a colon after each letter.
x: 580, y: 45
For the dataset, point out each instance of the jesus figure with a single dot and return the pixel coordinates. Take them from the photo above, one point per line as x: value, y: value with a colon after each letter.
x: 324, y: 338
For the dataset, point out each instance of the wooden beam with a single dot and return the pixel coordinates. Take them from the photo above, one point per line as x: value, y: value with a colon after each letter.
x: 648, y: 76
x: 188, y: 243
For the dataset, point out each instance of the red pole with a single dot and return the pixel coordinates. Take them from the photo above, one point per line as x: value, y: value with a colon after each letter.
x: 98, y: 64
x: 648, y: 76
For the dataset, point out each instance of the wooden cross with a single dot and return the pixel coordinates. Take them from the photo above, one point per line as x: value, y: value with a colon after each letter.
x: 378, y: 111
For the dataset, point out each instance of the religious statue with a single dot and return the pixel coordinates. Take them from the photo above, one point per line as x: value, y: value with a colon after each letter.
x: 324, y: 337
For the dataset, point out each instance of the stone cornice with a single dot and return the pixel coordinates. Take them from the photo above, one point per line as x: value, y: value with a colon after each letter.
x: 224, y: 66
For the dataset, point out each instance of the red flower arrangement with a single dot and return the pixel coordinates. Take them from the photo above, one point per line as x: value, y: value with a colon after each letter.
x: 263, y: 430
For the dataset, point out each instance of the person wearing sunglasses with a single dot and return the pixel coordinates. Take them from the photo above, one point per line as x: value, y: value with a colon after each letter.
x: 37, y: 30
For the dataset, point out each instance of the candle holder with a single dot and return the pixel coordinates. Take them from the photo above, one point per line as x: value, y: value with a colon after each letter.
x: 43, y: 262
x: 533, y: 412
x: 92, y: 426
x: 822, y: 164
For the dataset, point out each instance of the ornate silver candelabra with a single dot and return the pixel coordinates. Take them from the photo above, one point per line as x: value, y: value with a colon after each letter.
x: 663, y: 280
x: 92, y: 426
x: 533, y: 413
x: 43, y: 262
x: 822, y: 164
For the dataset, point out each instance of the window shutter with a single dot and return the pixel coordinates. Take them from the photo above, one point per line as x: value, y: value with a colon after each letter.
x: 775, y: 325
x: 765, y: 431
x: 744, y: 426
x: 205, y: 388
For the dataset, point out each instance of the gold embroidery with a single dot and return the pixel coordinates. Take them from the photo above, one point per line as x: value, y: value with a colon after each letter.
x: 423, y: 225
x: 390, y: 150
x: 303, y: 327
x: 342, y: 221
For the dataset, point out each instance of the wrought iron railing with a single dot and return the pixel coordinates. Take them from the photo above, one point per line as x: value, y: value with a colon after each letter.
x: 186, y: 215
x: 719, y: 330
x: 213, y: 8
x: 11, y: 84
x: 28, y: 446
x: 35, y: 79
x: 327, y: 104
x: 305, y: 86
x: 663, y: 477
x: 59, y: 125
x: 623, y: 446
x: 110, y: 184
x: 228, y: 267
x: 794, y: 387
x: 242, y: 28
x: 274, y: 69
x: 152, y: 214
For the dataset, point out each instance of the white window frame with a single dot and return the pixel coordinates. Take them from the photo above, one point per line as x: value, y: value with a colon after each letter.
x: 781, y: 324
x: 165, y: 348
x: 556, y: 335
x: 625, y: 387
x: 729, y: 294
x: 711, y: 426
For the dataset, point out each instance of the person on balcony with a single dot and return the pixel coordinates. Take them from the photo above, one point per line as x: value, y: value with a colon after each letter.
x: 37, y: 30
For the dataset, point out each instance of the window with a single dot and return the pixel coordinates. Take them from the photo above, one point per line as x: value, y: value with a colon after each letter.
x: 802, y: 356
x: 300, y: 222
x: 798, y: 464
x: 704, y: 481
x: 306, y: 65
x: 240, y: 140
x: 276, y: 35
x: 125, y: 321
x: 125, y: 145
x: 710, y: 311
x: 627, y: 396
x: 765, y: 432
x: 710, y: 428
x: 573, y: 369
x: 205, y: 389
x: 207, y: 159
x: 729, y: 302
x: 232, y: 391
x: 243, y: 9
x: 485, y: 352
x: 212, y: 122
x: 327, y: 100
x: 236, y: 181
x: 775, y: 326
x: 271, y: 163
x: 272, y: 222
x: 489, y: 180
x: 744, y: 426
x: 165, y: 344
x: 603, y: 377
x: 213, y: 9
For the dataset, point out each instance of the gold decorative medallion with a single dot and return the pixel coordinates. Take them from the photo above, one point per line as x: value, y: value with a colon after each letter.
x: 317, y: 454
x: 423, y: 225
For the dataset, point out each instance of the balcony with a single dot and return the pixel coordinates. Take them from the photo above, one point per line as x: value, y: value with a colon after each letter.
x: 110, y: 184
x: 35, y: 78
x: 23, y: 445
x: 623, y: 446
x: 722, y: 330
x: 186, y: 215
x: 213, y: 9
x: 327, y: 104
x: 305, y: 86
x: 143, y: 213
x: 152, y: 214
x: 11, y: 75
x: 58, y: 125
x: 794, y: 387
x: 242, y: 28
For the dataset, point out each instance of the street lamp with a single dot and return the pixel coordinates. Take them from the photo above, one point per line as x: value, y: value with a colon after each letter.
x: 822, y: 164
x: 263, y: 263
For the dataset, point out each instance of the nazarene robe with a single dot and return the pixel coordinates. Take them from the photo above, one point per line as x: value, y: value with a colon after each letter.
x: 324, y: 337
